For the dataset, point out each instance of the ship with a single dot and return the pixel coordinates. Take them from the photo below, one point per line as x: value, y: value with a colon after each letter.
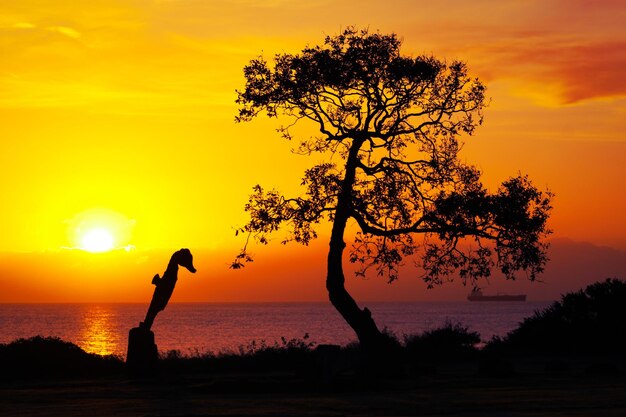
x: 477, y: 295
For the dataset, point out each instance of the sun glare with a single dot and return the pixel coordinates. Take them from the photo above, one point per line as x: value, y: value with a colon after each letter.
x: 97, y: 240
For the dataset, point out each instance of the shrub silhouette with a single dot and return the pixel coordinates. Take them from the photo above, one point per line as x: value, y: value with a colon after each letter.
x: 46, y: 357
x: 451, y: 341
x: 589, y: 321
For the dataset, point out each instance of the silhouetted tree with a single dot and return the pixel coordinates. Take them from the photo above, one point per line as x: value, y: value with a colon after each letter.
x: 389, y: 125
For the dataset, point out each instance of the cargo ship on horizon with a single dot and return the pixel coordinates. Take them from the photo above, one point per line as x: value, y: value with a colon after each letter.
x: 477, y: 295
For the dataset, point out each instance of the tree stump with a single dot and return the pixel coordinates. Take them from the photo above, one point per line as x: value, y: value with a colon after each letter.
x: 142, y: 355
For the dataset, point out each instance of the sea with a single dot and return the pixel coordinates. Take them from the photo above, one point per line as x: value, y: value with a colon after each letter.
x: 199, y: 328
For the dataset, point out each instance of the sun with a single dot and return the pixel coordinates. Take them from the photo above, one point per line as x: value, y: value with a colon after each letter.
x: 97, y: 240
x: 100, y: 230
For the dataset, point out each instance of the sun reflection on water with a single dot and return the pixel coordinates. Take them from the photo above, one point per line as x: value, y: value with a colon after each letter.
x: 98, y: 334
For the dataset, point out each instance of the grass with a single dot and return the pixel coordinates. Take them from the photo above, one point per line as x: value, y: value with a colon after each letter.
x: 256, y: 356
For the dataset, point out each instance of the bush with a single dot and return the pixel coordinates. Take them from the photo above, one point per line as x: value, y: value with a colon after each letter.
x: 451, y: 341
x: 589, y: 321
x: 46, y: 357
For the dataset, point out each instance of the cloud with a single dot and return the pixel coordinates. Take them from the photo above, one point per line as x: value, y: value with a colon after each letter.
x: 589, y: 71
x: 564, y: 51
x: 64, y: 30
x: 24, y: 25
x: 570, y: 70
x: 60, y: 29
x: 27, y: 35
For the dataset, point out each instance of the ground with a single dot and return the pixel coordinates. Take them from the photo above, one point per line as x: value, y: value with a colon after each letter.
x: 457, y: 390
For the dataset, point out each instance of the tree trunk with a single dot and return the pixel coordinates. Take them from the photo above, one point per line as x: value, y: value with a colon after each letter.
x: 360, y: 320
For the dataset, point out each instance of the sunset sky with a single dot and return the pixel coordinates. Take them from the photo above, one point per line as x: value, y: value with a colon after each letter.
x: 118, y: 117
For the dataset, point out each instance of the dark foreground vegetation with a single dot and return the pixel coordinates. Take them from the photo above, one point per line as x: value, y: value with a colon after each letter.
x: 589, y: 321
x: 568, y: 359
x: 48, y: 357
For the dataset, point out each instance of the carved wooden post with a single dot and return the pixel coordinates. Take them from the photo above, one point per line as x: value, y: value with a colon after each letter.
x: 142, y: 356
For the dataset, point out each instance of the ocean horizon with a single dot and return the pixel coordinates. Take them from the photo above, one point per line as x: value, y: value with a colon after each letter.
x: 102, y: 328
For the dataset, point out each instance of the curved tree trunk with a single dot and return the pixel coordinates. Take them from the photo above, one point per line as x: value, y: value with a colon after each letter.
x: 360, y: 320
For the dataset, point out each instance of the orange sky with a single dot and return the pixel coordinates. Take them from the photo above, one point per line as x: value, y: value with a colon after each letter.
x: 120, y: 114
